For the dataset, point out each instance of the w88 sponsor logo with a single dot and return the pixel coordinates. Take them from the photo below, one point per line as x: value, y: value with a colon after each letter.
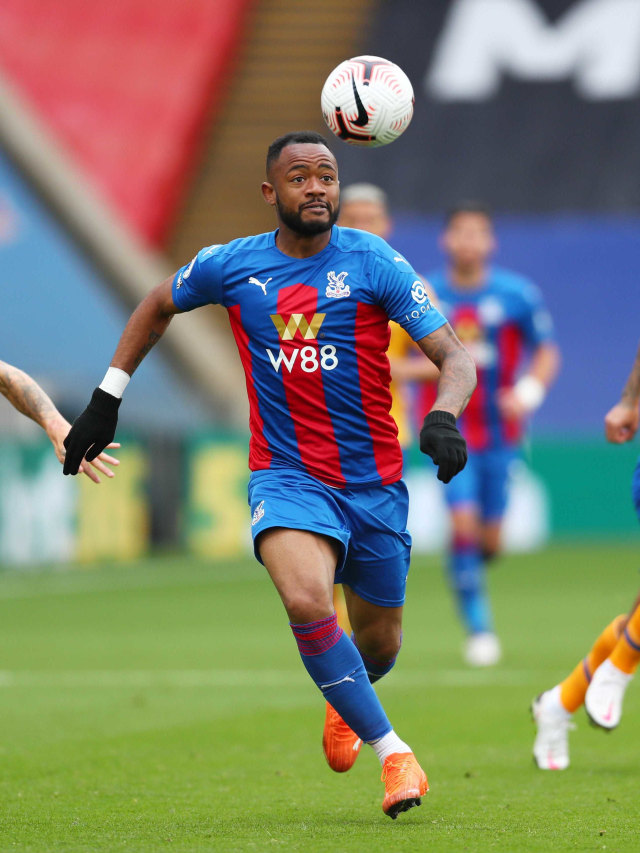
x: 310, y: 358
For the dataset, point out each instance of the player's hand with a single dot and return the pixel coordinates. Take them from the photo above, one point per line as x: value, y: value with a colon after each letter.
x: 58, y: 428
x: 440, y: 439
x: 621, y: 423
x: 92, y: 431
x: 510, y: 405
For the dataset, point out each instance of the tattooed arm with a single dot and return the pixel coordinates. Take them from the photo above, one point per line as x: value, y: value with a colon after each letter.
x: 26, y: 395
x: 146, y: 326
x: 29, y: 399
x: 457, y: 370
x: 621, y: 422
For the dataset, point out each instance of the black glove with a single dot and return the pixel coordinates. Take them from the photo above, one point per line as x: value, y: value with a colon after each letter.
x: 441, y: 440
x: 91, y: 431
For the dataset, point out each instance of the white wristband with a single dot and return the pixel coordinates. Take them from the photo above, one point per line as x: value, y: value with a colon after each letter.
x: 530, y: 391
x: 115, y: 381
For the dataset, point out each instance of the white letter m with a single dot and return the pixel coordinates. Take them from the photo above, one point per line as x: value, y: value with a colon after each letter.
x: 597, y: 42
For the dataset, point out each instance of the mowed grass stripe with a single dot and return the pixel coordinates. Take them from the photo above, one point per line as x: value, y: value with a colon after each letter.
x: 148, y: 711
x: 462, y: 678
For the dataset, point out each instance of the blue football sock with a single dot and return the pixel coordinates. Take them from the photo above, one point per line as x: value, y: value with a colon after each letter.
x: 335, y: 665
x: 375, y: 668
x: 467, y: 576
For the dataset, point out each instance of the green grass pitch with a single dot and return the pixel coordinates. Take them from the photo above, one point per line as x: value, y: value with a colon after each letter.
x: 162, y: 705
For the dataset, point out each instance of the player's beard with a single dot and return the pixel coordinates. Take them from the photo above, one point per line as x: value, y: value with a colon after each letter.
x: 293, y: 220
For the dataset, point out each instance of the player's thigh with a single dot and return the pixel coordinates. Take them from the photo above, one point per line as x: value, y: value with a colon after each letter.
x: 302, y: 566
x: 377, y: 630
x: 300, y: 535
x: 495, y: 471
x: 377, y: 560
x: 462, y: 495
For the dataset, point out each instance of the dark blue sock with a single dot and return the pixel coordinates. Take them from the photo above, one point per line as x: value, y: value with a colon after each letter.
x: 375, y: 668
x: 335, y: 665
x: 467, y: 575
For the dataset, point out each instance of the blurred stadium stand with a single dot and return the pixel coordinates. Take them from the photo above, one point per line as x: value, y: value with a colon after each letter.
x: 133, y: 133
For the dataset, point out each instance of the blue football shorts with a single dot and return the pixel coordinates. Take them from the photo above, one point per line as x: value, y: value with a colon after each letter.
x: 483, y: 482
x: 369, y: 523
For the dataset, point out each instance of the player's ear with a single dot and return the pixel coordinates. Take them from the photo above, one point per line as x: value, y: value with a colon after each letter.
x: 269, y: 193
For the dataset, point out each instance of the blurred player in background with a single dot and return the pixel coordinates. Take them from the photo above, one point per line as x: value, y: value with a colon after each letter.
x: 29, y: 399
x: 501, y: 319
x: 309, y: 306
x: 364, y: 206
x: 601, y: 679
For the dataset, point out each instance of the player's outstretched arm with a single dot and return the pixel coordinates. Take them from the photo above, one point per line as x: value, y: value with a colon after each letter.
x: 457, y: 369
x: 621, y: 422
x: 95, y: 428
x: 530, y: 390
x: 29, y: 399
x: 439, y: 437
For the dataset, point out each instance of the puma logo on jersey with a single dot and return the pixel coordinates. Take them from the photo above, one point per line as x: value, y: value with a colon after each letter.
x: 261, y: 284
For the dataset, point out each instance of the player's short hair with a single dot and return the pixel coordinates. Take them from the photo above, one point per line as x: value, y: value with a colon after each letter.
x: 364, y: 192
x: 297, y: 137
x: 468, y: 206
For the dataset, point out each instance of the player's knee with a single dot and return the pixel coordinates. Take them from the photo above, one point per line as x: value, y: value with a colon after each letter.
x: 466, y: 527
x: 305, y: 606
x: 382, y: 645
x: 467, y: 541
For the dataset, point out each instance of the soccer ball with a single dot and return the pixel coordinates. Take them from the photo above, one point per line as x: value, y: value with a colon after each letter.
x: 368, y: 101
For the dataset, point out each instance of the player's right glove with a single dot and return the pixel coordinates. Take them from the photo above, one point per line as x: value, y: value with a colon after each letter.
x: 91, y: 431
x: 440, y: 439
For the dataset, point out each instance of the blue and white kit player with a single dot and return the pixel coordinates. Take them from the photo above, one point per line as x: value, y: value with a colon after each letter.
x: 309, y: 305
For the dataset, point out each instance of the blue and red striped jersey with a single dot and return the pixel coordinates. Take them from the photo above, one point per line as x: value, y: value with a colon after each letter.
x: 500, y: 323
x: 312, y: 335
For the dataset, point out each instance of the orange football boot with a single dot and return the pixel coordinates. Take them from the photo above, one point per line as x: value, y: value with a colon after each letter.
x: 404, y: 781
x: 341, y: 744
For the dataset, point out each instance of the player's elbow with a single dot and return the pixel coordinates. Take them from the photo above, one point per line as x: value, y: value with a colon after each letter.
x: 158, y: 304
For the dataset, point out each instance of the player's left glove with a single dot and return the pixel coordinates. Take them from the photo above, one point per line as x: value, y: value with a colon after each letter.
x: 92, y: 430
x: 441, y: 440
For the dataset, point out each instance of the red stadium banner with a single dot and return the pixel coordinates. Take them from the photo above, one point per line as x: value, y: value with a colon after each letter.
x: 126, y: 87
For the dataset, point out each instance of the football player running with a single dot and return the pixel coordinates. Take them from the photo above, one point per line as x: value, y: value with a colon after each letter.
x: 501, y: 318
x: 601, y: 679
x: 326, y: 497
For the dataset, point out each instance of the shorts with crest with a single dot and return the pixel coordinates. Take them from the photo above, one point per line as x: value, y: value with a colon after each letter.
x: 370, y: 525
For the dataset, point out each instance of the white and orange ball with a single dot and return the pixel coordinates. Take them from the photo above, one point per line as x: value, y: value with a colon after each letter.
x: 367, y: 101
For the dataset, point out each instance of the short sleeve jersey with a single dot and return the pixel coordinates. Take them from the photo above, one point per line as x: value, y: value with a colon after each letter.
x: 312, y: 335
x: 499, y: 323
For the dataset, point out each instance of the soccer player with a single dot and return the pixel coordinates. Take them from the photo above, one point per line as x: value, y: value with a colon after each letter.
x: 309, y: 306
x: 29, y: 399
x: 365, y: 206
x: 601, y: 679
x: 501, y: 319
